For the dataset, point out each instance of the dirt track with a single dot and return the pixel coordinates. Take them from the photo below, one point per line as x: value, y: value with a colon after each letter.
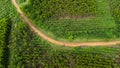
x: 74, y: 44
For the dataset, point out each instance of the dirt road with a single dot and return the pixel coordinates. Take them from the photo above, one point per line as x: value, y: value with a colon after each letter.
x: 73, y: 44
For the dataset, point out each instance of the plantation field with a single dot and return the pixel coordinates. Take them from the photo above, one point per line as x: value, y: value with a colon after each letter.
x: 115, y: 9
x: 82, y: 24
x: 4, y: 33
x: 31, y: 51
x: 20, y: 47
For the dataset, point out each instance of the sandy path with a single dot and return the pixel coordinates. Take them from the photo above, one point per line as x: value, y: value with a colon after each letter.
x: 74, y: 44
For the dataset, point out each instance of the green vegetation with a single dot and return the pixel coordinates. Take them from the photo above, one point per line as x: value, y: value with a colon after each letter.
x: 30, y: 51
x: 4, y: 33
x: 73, y: 19
x: 27, y: 50
x: 115, y: 10
x: 8, y: 18
x: 22, y: 2
x: 60, y: 8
